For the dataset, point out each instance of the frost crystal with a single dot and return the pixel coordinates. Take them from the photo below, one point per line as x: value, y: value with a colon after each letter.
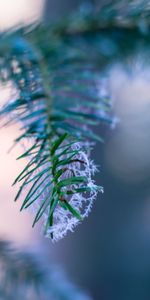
x: 64, y: 220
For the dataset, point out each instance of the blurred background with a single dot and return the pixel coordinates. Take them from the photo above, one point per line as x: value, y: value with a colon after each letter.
x: 108, y: 255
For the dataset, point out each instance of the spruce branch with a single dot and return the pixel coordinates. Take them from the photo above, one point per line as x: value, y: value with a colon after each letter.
x: 55, y: 106
x: 58, y: 72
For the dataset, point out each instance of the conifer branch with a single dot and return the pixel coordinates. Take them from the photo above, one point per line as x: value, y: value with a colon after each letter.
x: 61, y: 94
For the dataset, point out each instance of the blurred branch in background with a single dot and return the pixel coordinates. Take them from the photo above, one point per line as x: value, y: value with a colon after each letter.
x: 24, y: 276
x: 58, y: 9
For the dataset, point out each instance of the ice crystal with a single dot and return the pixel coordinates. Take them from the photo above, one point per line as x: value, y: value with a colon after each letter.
x: 64, y: 221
